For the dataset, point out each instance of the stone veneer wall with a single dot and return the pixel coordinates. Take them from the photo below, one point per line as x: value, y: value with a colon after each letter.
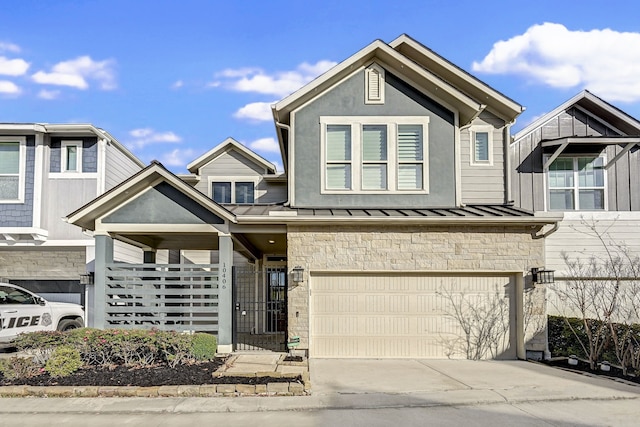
x: 411, y: 248
x: 42, y: 264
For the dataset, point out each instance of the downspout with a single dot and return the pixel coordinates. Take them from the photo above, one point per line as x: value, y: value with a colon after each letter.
x: 506, y: 136
x: 281, y: 126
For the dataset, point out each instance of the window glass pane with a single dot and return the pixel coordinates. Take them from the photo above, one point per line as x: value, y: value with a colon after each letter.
x: 409, y: 142
x: 9, y: 187
x: 9, y: 157
x: 338, y: 142
x: 482, y: 146
x: 374, y: 177
x: 72, y: 158
x: 409, y: 177
x: 561, y: 173
x: 590, y: 172
x: 222, y: 192
x: 591, y: 199
x: 244, y: 192
x: 561, y: 200
x: 374, y: 142
x: 339, y: 177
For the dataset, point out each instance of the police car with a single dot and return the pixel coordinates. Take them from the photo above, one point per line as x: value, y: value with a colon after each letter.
x: 22, y: 311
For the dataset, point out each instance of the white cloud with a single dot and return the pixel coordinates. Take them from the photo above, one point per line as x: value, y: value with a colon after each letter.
x: 48, y: 94
x: 9, y: 88
x: 177, y: 157
x: 76, y: 73
x: 9, y: 47
x: 145, y: 136
x: 13, y: 67
x: 177, y: 85
x: 259, y: 111
x: 606, y: 62
x: 268, y: 145
x: 280, y: 83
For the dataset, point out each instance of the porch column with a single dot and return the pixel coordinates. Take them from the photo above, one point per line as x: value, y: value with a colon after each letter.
x: 104, y: 256
x: 225, y: 300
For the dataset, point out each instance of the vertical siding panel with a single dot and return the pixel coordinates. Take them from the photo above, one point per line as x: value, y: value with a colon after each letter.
x: 622, y: 181
x: 579, y: 122
x: 634, y: 183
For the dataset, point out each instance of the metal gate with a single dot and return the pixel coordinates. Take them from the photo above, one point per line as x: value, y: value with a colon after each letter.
x: 260, y: 308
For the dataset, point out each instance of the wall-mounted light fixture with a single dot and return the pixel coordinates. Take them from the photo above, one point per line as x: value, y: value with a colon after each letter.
x: 297, y: 274
x: 542, y: 276
x: 87, y: 278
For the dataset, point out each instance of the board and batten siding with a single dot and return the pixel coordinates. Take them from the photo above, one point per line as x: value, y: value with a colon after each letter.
x: 483, y: 183
x: 527, y: 177
x: 75, y: 193
x: 119, y: 166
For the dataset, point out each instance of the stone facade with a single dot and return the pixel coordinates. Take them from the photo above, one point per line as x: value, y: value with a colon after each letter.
x: 413, y: 248
x: 42, y: 264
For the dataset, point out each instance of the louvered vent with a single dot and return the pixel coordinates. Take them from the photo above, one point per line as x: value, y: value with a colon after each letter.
x: 375, y: 85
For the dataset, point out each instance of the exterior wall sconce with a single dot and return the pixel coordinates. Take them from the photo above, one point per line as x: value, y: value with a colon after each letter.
x: 297, y: 274
x: 86, y: 279
x: 542, y: 276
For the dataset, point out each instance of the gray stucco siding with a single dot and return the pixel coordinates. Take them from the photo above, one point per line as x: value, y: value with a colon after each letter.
x: 347, y: 99
x: 89, y: 154
x: 21, y: 214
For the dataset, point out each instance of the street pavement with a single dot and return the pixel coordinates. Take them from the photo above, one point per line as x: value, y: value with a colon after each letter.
x: 367, y: 392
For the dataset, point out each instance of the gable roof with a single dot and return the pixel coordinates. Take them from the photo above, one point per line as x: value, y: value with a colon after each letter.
x: 225, y: 146
x: 500, y: 104
x: 148, y: 177
x: 468, y: 107
x: 596, y: 106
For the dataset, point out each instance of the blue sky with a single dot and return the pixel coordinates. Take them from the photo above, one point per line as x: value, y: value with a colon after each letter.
x: 172, y: 79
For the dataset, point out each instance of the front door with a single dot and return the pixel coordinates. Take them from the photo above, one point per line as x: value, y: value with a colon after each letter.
x: 276, y: 292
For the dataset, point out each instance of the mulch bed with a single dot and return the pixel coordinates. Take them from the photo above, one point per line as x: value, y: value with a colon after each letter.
x: 582, y: 366
x: 191, y: 374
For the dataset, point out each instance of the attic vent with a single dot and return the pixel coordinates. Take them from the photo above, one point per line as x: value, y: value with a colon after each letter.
x: 374, y: 85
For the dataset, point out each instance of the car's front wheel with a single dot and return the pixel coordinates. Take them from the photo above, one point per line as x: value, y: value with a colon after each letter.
x: 68, y: 324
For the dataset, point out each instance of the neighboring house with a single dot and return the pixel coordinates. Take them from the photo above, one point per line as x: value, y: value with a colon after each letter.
x: 392, y: 214
x: 581, y: 159
x: 46, y: 170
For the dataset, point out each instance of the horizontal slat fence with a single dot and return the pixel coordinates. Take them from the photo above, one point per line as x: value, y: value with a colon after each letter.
x: 180, y: 297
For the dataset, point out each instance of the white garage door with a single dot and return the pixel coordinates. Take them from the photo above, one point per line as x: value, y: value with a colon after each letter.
x: 392, y: 315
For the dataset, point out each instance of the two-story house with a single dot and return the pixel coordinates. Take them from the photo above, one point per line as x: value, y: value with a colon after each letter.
x: 391, y: 218
x: 581, y: 159
x: 46, y: 170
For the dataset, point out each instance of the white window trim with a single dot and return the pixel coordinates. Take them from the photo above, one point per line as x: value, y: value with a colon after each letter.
x: 472, y: 144
x: 375, y: 71
x: 22, y: 168
x: 233, y: 180
x: 63, y: 156
x: 392, y: 123
x: 547, y: 189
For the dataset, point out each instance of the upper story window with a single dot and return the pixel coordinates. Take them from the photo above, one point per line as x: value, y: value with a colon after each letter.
x: 577, y: 183
x: 374, y: 154
x: 71, y: 156
x: 12, y: 169
x: 481, y: 145
x: 241, y: 192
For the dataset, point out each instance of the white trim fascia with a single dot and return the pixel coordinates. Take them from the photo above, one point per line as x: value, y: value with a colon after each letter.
x: 455, y: 70
x: 38, y: 180
x: 49, y: 243
x: 101, y: 183
x: 224, y: 147
x: 74, y: 175
x: 473, y: 129
x: 116, y: 228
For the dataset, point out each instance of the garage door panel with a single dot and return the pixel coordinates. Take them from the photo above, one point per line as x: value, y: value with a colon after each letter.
x: 390, y: 315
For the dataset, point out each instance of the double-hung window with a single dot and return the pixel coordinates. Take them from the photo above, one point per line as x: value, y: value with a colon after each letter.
x: 241, y: 192
x: 12, y: 169
x: 577, y: 183
x: 71, y: 156
x: 374, y: 154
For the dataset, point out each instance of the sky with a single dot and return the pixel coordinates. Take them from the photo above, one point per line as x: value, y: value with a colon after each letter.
x: 172, y: 79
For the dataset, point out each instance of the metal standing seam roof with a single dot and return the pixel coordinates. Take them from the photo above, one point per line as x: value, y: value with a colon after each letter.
x: 470, y: 211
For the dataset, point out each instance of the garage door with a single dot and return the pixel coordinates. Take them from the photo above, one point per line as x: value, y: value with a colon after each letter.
x: 391, y: 315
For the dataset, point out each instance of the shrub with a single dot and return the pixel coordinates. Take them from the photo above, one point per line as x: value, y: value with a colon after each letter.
x: 64, y: 361
x: 19, y: 367
x: 203, y: 346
